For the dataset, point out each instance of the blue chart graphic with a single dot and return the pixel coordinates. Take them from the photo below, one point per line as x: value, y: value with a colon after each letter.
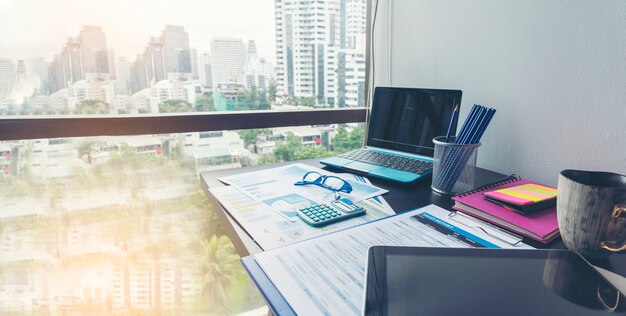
x: 288, y: 204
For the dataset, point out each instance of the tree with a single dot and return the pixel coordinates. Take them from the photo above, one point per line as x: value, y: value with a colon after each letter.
x: 310, y: 152
x: 271, y: 91
x: 249, y: 135
x: 173, y: 106
x: 92, y: 106
x: 286, y: 150
x: 265, y: 159
x: 87, y: 148
x: 219, y: 271
x: 356, y: 138
x: 307, y: 101
x: 345, y: 141
x: 204, y: 103
x: 253, y: 99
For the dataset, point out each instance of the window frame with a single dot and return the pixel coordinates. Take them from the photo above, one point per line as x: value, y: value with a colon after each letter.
x: 20, y: 128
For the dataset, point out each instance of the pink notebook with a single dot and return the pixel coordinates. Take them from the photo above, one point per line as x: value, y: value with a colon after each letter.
x: 541, y: 225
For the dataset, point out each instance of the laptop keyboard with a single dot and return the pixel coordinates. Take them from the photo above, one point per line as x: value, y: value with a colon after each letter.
x: 390, y: 161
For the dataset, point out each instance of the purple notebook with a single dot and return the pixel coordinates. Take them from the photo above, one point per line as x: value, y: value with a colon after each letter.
x: 541, y: 226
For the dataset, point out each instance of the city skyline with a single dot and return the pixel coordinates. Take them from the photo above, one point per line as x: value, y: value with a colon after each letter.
x: 116, y: 17
x: 319, y: 52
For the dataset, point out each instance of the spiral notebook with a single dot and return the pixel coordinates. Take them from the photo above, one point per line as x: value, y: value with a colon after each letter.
x: 541, y: 226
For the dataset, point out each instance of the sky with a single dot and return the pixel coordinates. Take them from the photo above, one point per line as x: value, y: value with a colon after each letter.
x: 40, y: 28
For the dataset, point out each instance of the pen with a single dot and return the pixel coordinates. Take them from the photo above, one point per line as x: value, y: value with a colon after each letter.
x: 455, y: 114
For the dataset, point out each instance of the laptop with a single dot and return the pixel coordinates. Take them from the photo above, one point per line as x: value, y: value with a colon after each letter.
x: 402, y: 125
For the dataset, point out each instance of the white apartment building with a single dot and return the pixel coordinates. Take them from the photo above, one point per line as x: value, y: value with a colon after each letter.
x: 141, y: 103
x: 90, y: 90
x: 355, y: 23
x: 175, y: 90
x: 257, y: 71
x: 354, y: 76
x: 310, y: 40
x: 58, y: 100
x: 53, y: 158
x: 228, y: 58
x: 8, y: 74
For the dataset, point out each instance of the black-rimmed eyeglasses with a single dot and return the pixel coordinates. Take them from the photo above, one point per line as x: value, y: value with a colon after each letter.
x: 332, y: 183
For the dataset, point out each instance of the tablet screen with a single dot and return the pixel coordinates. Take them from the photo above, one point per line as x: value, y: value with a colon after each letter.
x: 447, y: 281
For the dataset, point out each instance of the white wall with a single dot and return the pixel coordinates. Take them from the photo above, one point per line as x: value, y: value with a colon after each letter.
x: 554, y: 70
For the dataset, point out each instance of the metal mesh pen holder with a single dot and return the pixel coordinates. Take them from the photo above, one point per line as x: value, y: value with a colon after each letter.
x: 454, y: 166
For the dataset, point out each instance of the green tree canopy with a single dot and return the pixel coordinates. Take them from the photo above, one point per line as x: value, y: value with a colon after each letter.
x: 219, y: 271
x: 92, y: 107
x: 173, y: 106
x: 204, y: 103
x: 345, y: 141
x: 253, y: 99
x: 286, y: 150
x: 310, y: 152
x: 271, y: 91
x: 249, y: 135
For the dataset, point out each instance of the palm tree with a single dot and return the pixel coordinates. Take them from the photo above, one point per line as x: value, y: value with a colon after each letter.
x: 219, y: 270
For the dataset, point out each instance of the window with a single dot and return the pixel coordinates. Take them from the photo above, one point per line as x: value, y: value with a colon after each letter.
x: 118, y: 224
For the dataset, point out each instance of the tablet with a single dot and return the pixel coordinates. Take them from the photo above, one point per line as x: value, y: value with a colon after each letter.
x: 454, y: 281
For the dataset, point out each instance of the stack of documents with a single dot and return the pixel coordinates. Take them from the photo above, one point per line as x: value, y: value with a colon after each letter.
x: 325, y: 275
x: 265, y: 202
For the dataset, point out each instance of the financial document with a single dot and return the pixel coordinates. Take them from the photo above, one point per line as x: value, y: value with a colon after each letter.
x: 275, y: 188
x: 325, y: 275
x: 271, y: 230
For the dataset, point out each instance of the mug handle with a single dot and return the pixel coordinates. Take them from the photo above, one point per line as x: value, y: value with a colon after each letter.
x: 609, y: 245
x: 606, y: 306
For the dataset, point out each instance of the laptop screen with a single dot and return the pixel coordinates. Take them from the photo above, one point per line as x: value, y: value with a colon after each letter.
x: 407, y: 119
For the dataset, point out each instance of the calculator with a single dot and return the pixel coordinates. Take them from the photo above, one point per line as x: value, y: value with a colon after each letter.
x: 323, y: 214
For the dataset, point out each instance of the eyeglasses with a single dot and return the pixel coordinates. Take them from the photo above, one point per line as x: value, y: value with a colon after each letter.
x: 332, y: 183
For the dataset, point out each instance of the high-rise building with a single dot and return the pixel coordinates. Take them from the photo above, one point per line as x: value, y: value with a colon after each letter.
x: 94, y: 53
x: 252, y: 50
x: 67, y: 67
x: 257, y: 71
x: 122, y: 76
x: 167, y: 57
x: 204, y: 70
x: 8, y: 74
x: 310, y: 37
x: 228, y: 58
x: 37, y: 68
x: 20, y: 72
x: 307, y: 39
x: 83, y: 57
x: 194, y: 63
x: 352, y: 82
x: 354, y: 22
x: 150, y: 67
x: 176, y: 50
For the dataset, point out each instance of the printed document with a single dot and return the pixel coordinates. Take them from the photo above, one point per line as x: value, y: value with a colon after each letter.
x: 325, y: 275
x: 271, y: 230
x: 275, y: 188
